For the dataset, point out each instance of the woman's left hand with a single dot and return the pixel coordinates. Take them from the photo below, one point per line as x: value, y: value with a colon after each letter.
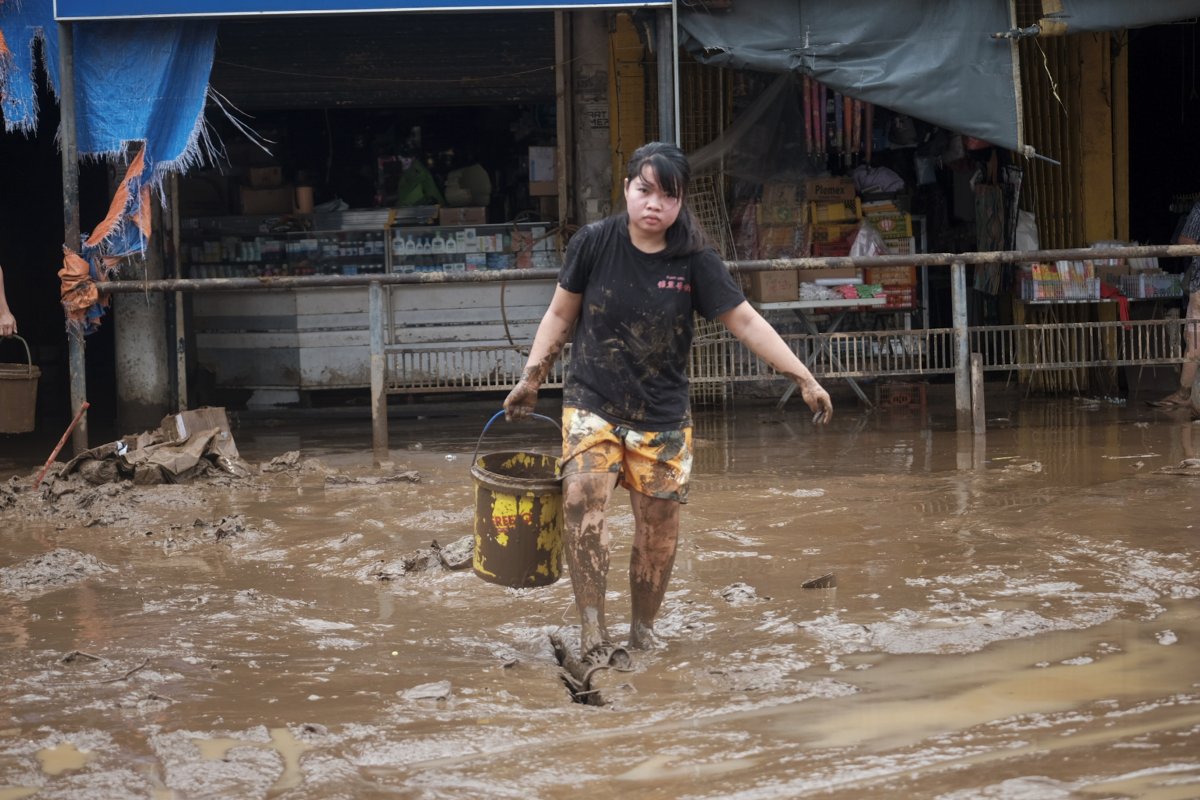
x: 817, y: 399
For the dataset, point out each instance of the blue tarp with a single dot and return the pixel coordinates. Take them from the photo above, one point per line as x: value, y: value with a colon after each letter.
x: 931, y: 59
x: 935, y: 60
x: 138, y: 80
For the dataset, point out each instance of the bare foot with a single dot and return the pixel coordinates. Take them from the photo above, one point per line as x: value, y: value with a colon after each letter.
x: 641, y: 637
x: 1179, y: 398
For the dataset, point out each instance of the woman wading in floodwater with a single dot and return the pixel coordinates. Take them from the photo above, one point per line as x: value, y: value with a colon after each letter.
x: 632, y: 283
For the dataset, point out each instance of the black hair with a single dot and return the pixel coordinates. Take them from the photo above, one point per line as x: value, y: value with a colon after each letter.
x: 673, y: 174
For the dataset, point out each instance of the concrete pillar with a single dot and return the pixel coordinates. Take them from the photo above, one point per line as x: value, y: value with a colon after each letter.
x: 140, y: 331
x: 962, y: 346
x: 589, y: 77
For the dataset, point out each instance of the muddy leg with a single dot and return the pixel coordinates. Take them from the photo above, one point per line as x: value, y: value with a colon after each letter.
x: 1191, y: 353
x: 585, y: 501
x: 654, y: 543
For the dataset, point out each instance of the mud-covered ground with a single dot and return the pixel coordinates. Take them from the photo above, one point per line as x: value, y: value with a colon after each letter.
x: 1017, y: 617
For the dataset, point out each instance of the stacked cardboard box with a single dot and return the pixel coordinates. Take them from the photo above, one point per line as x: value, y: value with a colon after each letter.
x: 266, y: 193
x: 896, y: 228
x: 829, y: 190
x: 780, y: 220
x: 543, y: 175
x: 833, y: 214
x: 835, y: 211
x: 781, y: 234
x: 774, y: 286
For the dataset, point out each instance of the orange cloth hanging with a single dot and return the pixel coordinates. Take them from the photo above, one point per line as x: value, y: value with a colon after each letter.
x: 105, y: 248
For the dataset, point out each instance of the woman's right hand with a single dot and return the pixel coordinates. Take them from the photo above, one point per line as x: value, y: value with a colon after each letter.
x: 521, y: 400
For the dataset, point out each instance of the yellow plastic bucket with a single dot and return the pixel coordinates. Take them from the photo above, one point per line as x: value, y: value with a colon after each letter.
x: 518, y: 516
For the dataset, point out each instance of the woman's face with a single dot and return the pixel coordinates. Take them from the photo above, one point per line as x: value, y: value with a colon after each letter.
x: 651, y: 210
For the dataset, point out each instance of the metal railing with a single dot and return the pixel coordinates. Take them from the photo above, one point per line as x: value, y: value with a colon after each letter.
x: 853, y: 354
x: 836, y: 355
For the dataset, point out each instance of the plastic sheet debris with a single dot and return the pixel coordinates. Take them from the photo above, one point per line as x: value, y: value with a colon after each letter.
x: 826, y: 581
x: 184, y: 447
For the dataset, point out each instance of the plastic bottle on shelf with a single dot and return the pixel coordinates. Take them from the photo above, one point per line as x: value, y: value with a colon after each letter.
x: 438, y: 244
x: 410, y: 246
x: 397, y: 244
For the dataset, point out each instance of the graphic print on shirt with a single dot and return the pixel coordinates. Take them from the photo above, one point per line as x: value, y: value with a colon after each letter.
x: 675, y: 282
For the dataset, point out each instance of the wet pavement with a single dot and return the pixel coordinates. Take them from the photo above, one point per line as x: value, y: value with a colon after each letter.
x: 1014, y: 617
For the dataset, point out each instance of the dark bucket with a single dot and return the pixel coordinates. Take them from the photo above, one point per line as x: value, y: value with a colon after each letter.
x: 518, y: 516
x: 18, y: 394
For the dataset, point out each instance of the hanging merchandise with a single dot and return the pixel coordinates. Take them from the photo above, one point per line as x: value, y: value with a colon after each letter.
x: 838, y: 117
x: 847, y: 128
x: 869, y: 124
x: 816, y: 119
x: 855, y: 126
x: 824, y: 100
x: 763, y: 145
x: 808, y: 123
x: 903, y: 131
x: 876, y: 180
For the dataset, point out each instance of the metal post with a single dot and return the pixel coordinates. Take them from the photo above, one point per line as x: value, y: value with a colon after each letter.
x: 664, y: 43
x: 379, y: 420
x: 978, y: 408
x: 676, y: 130
x: 69, y: 141
x: 564, y: 47
x: 962, y: 346
x: 180, y: 327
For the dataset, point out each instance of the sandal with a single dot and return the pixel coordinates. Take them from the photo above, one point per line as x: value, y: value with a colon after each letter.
x: 1170, y: 401
x: 606, y: 656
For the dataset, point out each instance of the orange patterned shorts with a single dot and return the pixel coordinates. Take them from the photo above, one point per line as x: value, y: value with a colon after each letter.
x: 653, y: 463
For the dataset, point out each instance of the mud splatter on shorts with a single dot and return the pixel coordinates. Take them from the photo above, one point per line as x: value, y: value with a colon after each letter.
x: 653, y: 463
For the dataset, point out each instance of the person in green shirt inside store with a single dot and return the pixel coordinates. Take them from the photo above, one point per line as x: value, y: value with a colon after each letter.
x: 416, y: 186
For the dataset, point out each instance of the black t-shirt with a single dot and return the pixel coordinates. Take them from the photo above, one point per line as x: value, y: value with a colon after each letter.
x: 630, y: 352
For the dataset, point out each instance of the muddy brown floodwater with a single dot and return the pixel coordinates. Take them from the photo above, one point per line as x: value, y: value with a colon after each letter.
x: 1013, y: 618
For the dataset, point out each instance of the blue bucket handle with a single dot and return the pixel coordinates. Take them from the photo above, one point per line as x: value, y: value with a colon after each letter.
x: 498, y: 415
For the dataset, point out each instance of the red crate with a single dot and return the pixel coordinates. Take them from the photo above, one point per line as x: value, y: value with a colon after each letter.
x: 893, y: 276
x: 831, y: 249
x: 899, y: 296
x: 900, y: 395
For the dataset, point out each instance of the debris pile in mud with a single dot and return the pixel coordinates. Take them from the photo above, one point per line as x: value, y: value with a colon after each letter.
x: 454, y: 556
x: 185, y: 446
x: 122, y: 482
x: 46, y: 572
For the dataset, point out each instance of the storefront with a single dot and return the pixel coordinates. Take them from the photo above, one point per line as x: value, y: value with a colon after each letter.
x: 479, y: 86
x: 424, y: 163
x: 1012, y: 132
x: 401, y: 143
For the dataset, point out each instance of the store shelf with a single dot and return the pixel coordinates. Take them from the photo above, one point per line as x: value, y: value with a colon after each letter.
x: 311, y: 339
x: 225, y: 247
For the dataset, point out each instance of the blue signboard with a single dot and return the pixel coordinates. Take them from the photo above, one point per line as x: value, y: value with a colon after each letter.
x: 67, y: 10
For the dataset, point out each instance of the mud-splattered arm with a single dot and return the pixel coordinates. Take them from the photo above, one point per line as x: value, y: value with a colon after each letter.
x: 8, y: 323
x: 548, y: 342
x: 756, y: 333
